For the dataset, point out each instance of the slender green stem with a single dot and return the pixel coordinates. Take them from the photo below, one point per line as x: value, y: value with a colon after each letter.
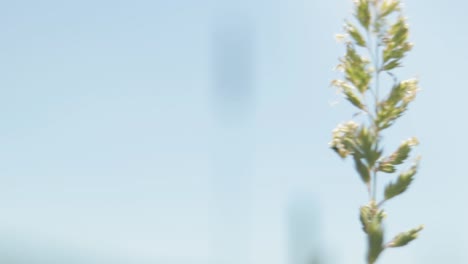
x: 381, y: 203
x: 374, y: 53
x: 374, y: 194
x: 377, y: 67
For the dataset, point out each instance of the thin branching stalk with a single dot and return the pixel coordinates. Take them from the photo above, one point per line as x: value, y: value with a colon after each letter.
x: 375, y: 44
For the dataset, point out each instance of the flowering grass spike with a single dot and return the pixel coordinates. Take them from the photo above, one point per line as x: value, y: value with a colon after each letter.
x: 375, y: 46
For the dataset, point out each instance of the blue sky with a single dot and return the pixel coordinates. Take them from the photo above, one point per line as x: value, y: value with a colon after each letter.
x: 114, y: 144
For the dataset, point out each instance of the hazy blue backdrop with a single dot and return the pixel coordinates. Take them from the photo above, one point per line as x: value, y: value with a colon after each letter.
x: 196, y: 132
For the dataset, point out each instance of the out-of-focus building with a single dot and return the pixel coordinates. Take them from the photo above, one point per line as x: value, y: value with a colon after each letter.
x: 232, y: 154
x: 304, y: 232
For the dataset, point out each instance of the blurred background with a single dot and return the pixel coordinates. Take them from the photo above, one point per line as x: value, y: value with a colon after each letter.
x: 193, y: 132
